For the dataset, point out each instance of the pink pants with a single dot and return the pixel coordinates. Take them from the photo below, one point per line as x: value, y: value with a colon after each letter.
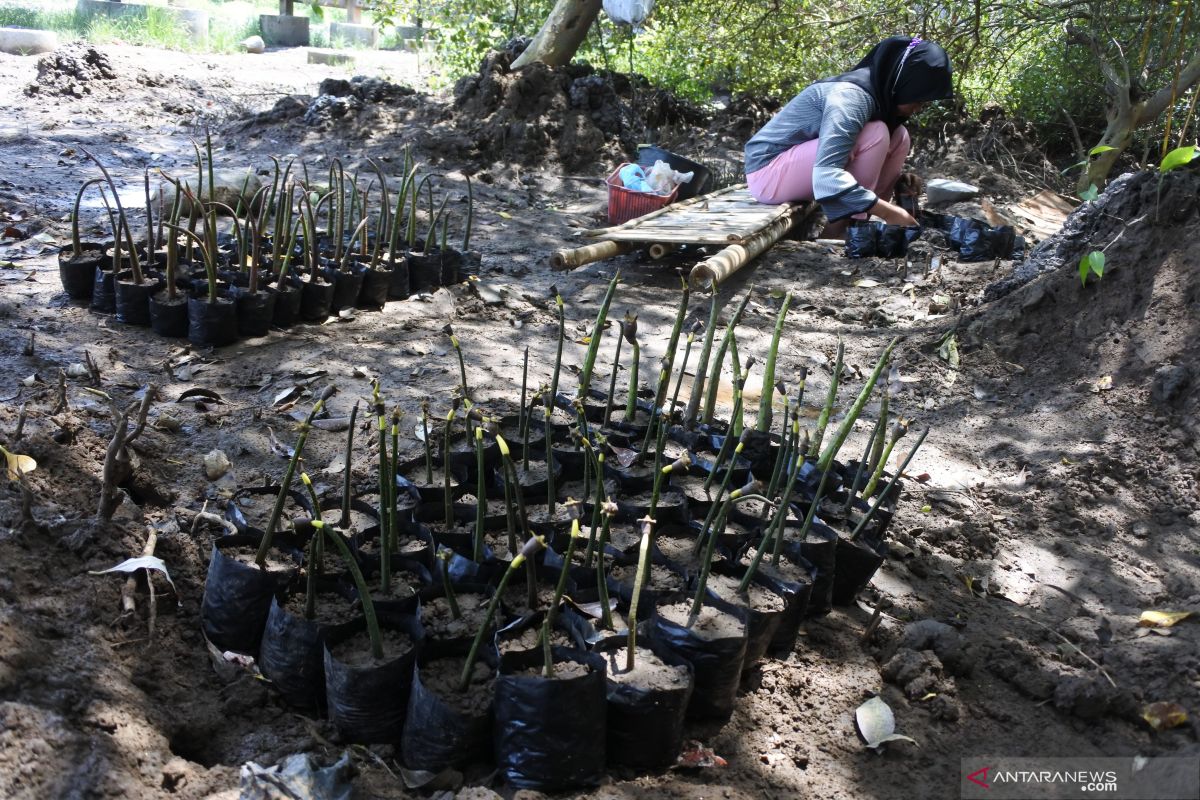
x: 875, y: 162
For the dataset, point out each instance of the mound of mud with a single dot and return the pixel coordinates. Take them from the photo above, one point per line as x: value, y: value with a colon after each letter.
x: 1138, y: 322
x: 572, y: 114
x: 71, y: 70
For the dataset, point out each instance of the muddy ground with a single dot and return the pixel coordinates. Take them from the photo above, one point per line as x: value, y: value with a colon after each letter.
x: 1062, y: 460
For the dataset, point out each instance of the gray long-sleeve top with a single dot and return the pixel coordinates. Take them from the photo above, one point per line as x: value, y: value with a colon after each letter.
x: 835, y: 113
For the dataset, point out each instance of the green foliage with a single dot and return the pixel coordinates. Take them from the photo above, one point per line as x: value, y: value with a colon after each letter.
x: 1178, y: 157
x: 1091, y: 264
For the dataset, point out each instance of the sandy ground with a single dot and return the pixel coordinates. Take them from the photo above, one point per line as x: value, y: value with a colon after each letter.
x: 1055, y: 511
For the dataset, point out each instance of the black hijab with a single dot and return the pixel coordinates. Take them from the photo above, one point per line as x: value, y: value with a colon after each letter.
x: 901, y: 70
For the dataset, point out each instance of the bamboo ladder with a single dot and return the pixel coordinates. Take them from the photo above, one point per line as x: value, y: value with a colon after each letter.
x: 730, y: 217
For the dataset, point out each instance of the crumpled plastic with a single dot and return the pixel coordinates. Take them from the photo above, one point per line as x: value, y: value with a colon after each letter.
x: 663, y: 179
x: 297, y: 778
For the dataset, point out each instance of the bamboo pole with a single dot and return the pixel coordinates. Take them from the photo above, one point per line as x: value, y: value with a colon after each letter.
x: 715, y: 269
x: 570, y: 258
x: 672, y: 207
x: 660, y: 250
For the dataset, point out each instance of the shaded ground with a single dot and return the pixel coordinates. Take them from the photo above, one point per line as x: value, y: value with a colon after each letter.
x: 1057, y: 509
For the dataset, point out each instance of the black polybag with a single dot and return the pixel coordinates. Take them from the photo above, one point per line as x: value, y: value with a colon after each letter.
x: 645, y: 726
x: 368, y: 704
x: 857, y: 563
x: 549, y: 735
x: 437, y: 735
x: 237, y: 597
x: 716, y: 664
x: 862, y: 239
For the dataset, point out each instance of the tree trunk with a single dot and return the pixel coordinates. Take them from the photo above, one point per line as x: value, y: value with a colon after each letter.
x: 562, y: 33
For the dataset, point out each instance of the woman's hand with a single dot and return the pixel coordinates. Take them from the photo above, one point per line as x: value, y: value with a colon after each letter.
x: 893, y: 214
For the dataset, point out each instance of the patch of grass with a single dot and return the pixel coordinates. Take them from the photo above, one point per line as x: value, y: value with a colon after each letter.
x: 62, y: 20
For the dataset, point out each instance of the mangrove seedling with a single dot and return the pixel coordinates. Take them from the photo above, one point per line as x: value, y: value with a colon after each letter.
x: 264, y: 547
x: 466, y: 245
x: 385, y: 494
x: 462, y: 367
x: 714, y: 375
x: 574, y: 508
x: 428, y: 446
x: 693, y: 407
x: 443, y: 555
x: 862, y: 465
x: 347, y: 473
x: 480, y: 495
x: 766, y: 401
x: 687, y: 352
x: 608, y: 510
x: 449, y: 505
x: 814, y: 445
x: 725, y: 481
x: 547, y: 410
x: 562, y: 335
x: 510, y: 480
x: 316, y: 553
x: 612, y: 379
x: 364, y: 595
x: 876, y: 449
x: 76, y: 239
x: 739, y: 380
x: 862, y: 523
x: 528, y: 551
x: 896, y: 434
x: 134, y: 265
x: 393, y: 468
x: 709, y: 537
x: 639, y: 582
x: 589, y: 361
x: 629, y: 331
x: 523, y: 419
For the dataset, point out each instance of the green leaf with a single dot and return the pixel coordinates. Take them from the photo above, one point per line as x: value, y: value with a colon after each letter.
x: 1178, y: 157
x: 1090, y: 193
x: 1074, y: 166
x: 1093, y: 264
x: 948, y: 351
x: 1100, y: 148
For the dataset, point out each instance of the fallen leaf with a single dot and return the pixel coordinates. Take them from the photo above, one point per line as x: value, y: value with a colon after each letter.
x: 287, y: 396
x: 17, y: 464
x: 201, y: 394
x: 877, y: 724
x: 1163, y: 716
x: 948, y: 351
x: 1105, y: 384
x: 866, y: 283
x: 76, y: 370
x: 504, y: 215
x: 134, y: 564
x: 1162, y: 619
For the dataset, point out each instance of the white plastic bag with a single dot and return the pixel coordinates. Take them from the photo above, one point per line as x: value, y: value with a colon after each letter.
x: 663, y: 179
x: 628, y: 12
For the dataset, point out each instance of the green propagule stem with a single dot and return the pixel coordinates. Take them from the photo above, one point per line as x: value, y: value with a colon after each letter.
x: 589, y: 361
x: 510, y: 479
x: 316, y: 553
x: 714, y: 375
x: 862, y: 523
x: 368, y: 605
x: 134, y: 265
x: 681, y: 463
x: 443, y: 555
x: 608, y: 510
x: 393, y: 467
x: 530, y: 549
x: 693, y: 406
x: 425, y: 441
x: 739, y: 380
x: 449, y: 503
x: 768, y: 397
x: 629, y: 331
x: 481, y: 496
x: 347, y: 473
x: 826, y: 460
x: 814, y: 445
x: 576, y: 508
x: 896, y: 434
x: 264, y: 547
x: 713, y: 509
x: 710, y: 539
x: 639, y: 583
x: 462, y: 366
x: 612, y: 379
x: 547, y: 410
x: 562, y: 335
x: 385, y: 496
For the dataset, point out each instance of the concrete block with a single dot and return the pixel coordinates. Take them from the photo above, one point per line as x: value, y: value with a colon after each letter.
x: 284, y: 30
x: 26, y: 41
x: 353, y: 35
x: 331, y: 57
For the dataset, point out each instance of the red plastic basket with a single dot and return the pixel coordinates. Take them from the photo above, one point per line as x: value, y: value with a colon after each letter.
x: 626, y: 204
